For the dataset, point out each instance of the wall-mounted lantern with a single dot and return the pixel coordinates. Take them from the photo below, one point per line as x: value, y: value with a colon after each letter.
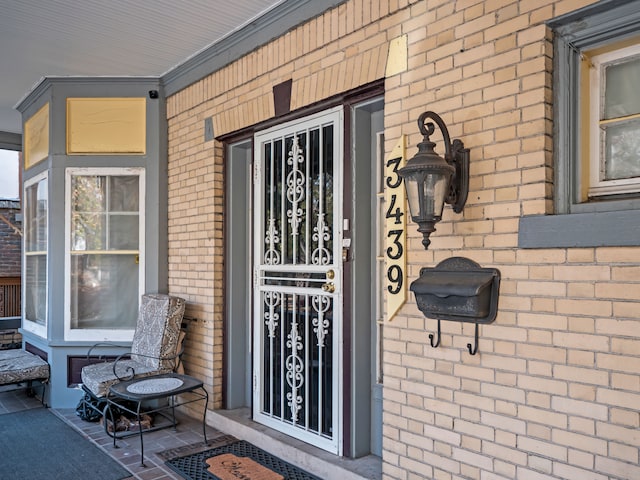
x: 431, y: 180
x: 457, y: 289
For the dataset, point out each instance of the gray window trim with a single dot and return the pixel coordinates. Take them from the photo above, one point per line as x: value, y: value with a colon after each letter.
x: 581, y: 224
x: 613, y: 229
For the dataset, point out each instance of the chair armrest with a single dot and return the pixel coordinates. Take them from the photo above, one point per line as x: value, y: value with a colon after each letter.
x: 131, y: 373
x: 105, y: 344
x: 129, y: 369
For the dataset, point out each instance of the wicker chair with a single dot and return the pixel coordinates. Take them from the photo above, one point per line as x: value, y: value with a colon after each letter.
x: 156, y: 349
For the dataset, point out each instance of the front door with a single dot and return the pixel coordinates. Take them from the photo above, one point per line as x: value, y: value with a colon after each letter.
x: 298, y: 279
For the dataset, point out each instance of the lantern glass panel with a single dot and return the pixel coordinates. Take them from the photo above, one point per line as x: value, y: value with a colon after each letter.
x: 426, y: 192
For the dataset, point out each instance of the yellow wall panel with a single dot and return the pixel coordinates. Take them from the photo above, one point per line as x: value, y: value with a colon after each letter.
x: 36, y: 137
x: 106, y: 126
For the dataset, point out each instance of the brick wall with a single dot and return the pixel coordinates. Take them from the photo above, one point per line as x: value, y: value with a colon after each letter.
x: 325, y: 57
x: 555, y: 388
x: 10, y: 241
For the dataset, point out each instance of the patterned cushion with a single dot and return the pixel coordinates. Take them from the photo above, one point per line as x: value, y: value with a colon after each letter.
x: 19, y: 366
x: 99, y: 376
x: 154, y: 346
x: 158, y: 331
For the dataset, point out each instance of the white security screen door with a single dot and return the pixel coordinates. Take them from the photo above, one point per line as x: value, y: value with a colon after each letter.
x: 298, y: 279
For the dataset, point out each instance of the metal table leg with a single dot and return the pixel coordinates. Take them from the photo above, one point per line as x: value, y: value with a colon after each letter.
x: 140, y: 432
x: 204, y: 416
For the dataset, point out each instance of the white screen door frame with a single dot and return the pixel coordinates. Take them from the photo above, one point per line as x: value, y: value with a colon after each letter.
x: 298, y: 279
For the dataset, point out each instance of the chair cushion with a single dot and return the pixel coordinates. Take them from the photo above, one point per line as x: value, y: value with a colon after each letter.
x: 158, y: 331
x: 98, y: 377
x: 19, y: 366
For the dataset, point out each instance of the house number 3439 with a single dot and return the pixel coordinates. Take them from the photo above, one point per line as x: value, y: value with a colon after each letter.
x: 395, y: 232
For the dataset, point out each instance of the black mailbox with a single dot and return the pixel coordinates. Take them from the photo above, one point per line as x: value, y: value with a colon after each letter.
x: 458, y: 289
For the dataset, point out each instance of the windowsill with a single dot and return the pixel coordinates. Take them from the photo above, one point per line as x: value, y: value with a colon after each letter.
x: 589, y: 229
x: 72, y: 343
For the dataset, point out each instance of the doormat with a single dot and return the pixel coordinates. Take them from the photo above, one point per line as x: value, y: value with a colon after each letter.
x: 229, y: 467
x: 238, y: 460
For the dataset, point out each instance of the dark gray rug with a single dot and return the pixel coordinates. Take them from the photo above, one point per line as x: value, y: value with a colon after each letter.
x: 37, y: 445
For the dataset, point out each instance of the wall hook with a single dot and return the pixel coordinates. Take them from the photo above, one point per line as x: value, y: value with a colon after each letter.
x: 475, y: 347
x: 439, y: 337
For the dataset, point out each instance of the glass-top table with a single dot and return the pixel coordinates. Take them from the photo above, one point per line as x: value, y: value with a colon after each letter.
x: 135, y: 392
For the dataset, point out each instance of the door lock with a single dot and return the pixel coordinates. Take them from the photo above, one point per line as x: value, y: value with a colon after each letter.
x: 328, y: 287
x: 331, y: 274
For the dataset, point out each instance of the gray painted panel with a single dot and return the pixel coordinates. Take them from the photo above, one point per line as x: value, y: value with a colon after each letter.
x: 55, y: 257
x: 238, y: 277
x: 366, y: 412
x: 600, y: 229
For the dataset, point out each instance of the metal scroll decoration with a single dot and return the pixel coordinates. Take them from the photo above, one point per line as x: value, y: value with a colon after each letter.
x: 321, y: 255
x: 321, y: 304
x: 272, y: 317
x: 272, y: 255
x: 295, y: 367
x: 296, y: 186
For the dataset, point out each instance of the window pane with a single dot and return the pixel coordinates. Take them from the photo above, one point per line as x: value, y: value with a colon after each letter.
x: 123, y: 232
x: 622, y: 151
x: 123, y: 194
x: 35, y: 305
x: 88, y: 194
x: 104, y: 291
x: 94, y: 226
x: 88, y: 231
x: 36, y: 217
x: 622, y: 96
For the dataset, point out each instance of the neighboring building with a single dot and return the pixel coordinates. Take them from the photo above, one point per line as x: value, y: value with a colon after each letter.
x: 10, y: 247
x: 276, y: 227
x: 10, y: 273
x: 10, y: 238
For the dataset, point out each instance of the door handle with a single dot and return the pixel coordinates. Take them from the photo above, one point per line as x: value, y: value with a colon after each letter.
x: 328, y: 287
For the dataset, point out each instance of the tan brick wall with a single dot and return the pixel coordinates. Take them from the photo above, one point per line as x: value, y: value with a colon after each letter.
x: 555, y: 388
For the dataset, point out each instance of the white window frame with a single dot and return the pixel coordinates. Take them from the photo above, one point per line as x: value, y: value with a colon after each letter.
x: 98, y: 335
x: 31, y: 325
x: 598, y: 186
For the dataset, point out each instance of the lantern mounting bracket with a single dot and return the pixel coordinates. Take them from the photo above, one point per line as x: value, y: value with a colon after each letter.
x: 455, y: 154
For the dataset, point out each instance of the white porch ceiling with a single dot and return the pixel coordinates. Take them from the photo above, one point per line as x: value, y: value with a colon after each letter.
x: 41, y: 38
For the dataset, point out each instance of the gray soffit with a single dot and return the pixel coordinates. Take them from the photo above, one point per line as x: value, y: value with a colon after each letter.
x: 92, y: 38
